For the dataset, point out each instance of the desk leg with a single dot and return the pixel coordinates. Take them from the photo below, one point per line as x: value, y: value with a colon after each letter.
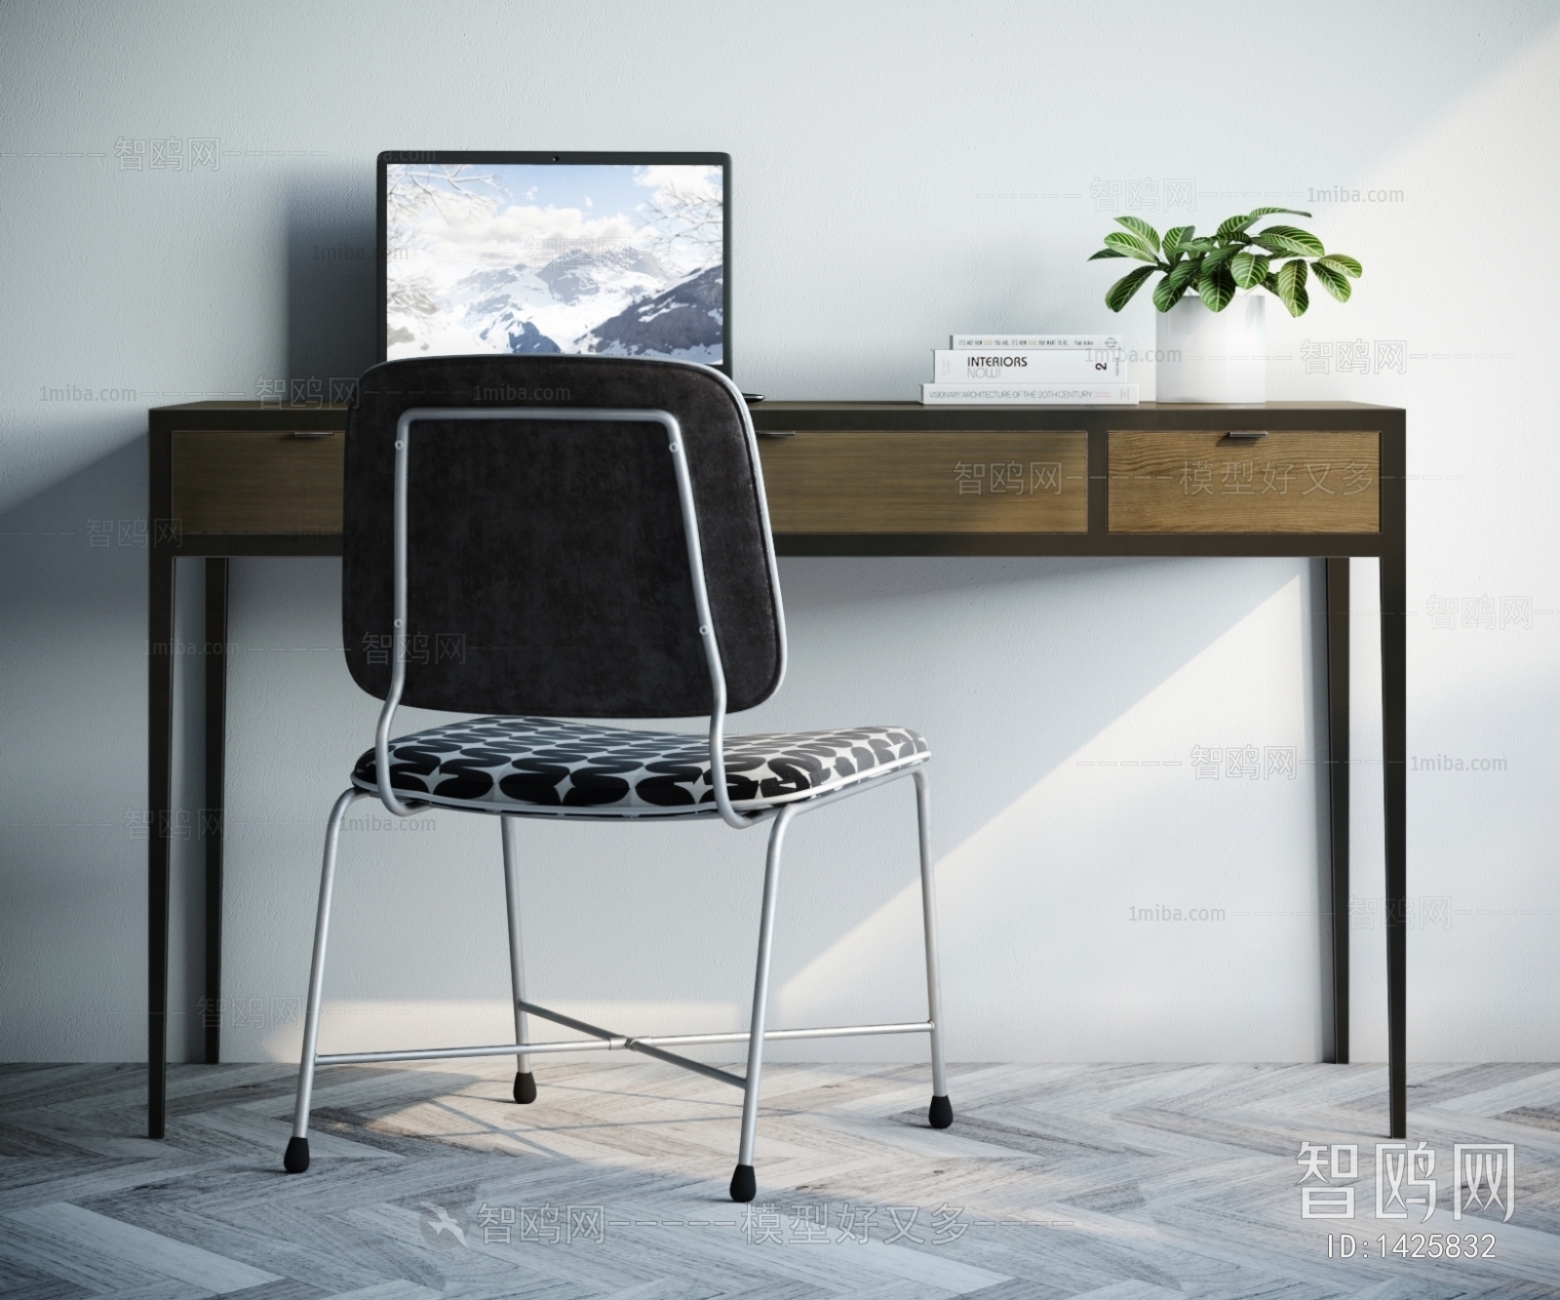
x: 1394, y: 736
x: 214, y: 815
x: 159, y: 780
x: 1338, y: 792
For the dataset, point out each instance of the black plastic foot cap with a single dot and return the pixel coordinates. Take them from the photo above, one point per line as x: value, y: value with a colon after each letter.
x: 525, y: 1087
x: 744, y: 1186
x: 297, y: 1158
x: 940, y: 1113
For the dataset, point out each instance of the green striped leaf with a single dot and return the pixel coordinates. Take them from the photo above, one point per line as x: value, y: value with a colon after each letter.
x: 1106, y: 252
x: 1334, y: 281
x: 1280, y: 246
x: 1343, y: 263
x: 1120, y: 293
x: 1176, y: 235
x: 1307, y: 243
x: 1249, y: 269
x: 1130, y: 246
x: 1291, y: 287
x: 1237, y: 224
x: 1170, y: 290
x: 1220, y: 256
x: 1185, y: 272
x: 1216, y: 288
x: 1197, y: 246
x: 1142, y: 230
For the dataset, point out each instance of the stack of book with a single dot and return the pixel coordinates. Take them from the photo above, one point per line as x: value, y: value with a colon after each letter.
x: 1030, y: 370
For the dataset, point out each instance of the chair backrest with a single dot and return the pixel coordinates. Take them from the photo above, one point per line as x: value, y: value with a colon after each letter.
x: 548, y: 568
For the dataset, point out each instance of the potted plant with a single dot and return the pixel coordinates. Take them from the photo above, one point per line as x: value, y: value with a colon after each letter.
x: 1210, y: 338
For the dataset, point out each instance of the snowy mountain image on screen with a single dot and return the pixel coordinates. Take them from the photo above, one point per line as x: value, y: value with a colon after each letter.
x: 549, y: 308
x: 685, y: 321
x: 619, y: 260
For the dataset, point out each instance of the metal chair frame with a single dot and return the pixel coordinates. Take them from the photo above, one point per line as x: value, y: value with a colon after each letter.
x: 743, y: 1182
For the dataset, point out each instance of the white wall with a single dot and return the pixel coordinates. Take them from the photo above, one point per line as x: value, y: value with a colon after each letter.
x: 900, y: 171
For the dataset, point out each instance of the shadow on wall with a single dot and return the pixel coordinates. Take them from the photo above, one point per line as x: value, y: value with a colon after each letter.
x: 58, y: 543
x: 1079, y: 642
x: 332, y: 283
x: 72, y: 772
x: 1043, y: 657
x: 1040, y: 858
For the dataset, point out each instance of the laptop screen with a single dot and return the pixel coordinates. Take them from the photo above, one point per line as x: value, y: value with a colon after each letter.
x: 609, y: 254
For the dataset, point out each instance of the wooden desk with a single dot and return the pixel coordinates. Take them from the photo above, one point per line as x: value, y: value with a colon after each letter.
x: 864, y: 478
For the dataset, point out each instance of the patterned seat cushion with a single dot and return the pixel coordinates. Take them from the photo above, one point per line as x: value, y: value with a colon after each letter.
x: 538, y: 765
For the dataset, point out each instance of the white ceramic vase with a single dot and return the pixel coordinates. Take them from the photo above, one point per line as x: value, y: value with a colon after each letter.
x: 1212, y: 356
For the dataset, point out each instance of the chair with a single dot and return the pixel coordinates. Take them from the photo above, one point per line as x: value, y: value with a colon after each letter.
x: 542, y: 538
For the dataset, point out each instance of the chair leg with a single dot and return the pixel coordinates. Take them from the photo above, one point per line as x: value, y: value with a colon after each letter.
x: 940, y: 1113
x: 744, y: 1183
x: 525, y: 1081
x: 297, y: 1158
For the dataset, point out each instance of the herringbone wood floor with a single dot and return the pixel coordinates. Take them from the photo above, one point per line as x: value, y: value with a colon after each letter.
x: 1118, y: 1182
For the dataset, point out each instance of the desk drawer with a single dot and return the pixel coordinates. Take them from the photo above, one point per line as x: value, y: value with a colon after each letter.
x: 245, y: 481
x: 1285, y: 482
x: 913, y: 482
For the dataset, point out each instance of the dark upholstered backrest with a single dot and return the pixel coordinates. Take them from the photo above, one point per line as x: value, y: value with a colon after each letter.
x: 547, y: 567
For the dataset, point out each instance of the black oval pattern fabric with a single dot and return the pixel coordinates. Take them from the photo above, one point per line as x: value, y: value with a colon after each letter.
x: 541, y: 766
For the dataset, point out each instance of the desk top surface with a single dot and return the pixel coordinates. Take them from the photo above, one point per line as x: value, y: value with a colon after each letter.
x: 908, y: 417
x: 843, y: 404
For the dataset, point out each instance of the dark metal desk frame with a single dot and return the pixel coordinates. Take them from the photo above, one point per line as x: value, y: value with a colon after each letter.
x: 169, y: 544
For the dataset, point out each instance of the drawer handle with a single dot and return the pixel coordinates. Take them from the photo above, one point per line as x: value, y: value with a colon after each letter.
x: 314, y: 433
x: 1244, y: 435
